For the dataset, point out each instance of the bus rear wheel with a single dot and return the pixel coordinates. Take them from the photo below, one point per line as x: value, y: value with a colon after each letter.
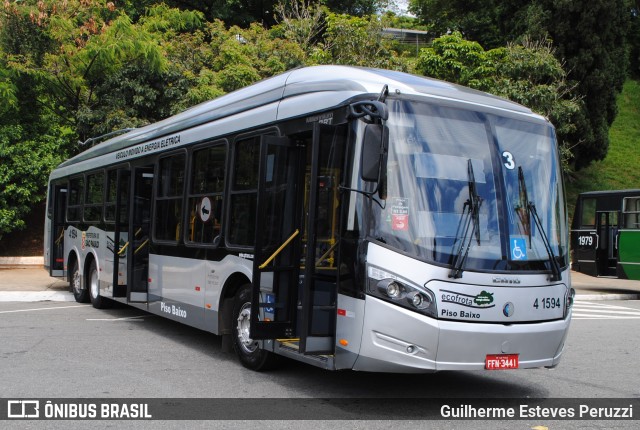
x: 79, y: 293
x: 97, y: 300
x: 248, y: 350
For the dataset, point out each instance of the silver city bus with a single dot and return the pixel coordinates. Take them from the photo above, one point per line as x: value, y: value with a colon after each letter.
x: 348, y: 218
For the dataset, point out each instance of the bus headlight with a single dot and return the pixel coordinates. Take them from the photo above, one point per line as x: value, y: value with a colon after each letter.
x: 419, y: 300
x: 389, y: 287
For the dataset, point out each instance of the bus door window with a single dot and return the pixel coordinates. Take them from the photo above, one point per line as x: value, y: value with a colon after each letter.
x: 331, y: 156
x: 607, y: 253
x: 58, y: 206
x: 138, y: 254
x: 318, y: 293
x: 243, y: 192
x: 276, y: 242
x: 116, y: 215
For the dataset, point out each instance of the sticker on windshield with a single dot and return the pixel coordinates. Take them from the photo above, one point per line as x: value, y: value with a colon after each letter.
x: 518, y: 249
x: 400, y: 214
x: 509, y: 162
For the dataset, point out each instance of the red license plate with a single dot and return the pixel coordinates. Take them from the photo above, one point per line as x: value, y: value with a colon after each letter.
x: 501, y: 361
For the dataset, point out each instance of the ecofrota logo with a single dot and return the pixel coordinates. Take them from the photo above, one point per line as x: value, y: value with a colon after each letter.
x: 23, y: 409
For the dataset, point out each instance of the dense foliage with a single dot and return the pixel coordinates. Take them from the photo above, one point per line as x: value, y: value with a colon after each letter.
x: 75, y: 69
x: 592, y: 40
x: 528, y: 74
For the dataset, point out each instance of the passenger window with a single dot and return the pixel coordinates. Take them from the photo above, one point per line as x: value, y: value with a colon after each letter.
x: 74, y: 204
x: 168, y: 213
x: 206, y: 195
x: 112, y: 195
x: 93, y: 199
x: 588, y: 213
x: 632, y: 212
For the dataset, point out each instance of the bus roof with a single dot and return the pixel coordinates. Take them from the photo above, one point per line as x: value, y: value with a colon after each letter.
x: 345, y: 82
x: 621, y: 193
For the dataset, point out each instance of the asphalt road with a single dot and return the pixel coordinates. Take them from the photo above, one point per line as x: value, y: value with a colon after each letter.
x: 67, y: 350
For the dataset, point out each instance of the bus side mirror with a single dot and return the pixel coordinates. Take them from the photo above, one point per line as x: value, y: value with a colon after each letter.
x: 375, y: 145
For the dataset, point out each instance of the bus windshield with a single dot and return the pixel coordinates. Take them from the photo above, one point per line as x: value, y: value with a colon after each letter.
x: 462, y: 183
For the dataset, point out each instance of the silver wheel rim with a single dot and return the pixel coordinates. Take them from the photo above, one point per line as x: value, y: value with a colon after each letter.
x: 243, y: 329
x: 95, y: 292
x: 76, y: 282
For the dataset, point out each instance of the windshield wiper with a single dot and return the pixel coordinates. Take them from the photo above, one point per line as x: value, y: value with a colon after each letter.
x: 471, y: 209
x: 531, y: 209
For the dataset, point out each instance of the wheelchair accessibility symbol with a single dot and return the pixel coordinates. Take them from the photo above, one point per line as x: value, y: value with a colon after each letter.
x: 518, y: 249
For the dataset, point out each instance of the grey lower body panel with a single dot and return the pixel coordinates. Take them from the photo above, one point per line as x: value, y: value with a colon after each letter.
x: 388, y: 346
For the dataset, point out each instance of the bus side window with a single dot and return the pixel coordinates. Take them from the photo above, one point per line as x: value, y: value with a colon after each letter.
x: 632, y: 212
x: 206, y: 195
x: 76, y: 194
x: 93, y: 197
x: 588, y: 218
x: 168, y: 213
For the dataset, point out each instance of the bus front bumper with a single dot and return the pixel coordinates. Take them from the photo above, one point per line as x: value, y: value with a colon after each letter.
x: 395, y: 339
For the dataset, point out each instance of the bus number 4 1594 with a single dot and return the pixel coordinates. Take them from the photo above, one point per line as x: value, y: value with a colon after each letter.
x: 547, y: 303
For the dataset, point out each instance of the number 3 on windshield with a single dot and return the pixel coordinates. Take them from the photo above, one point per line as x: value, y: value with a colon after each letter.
x: 509, y: 162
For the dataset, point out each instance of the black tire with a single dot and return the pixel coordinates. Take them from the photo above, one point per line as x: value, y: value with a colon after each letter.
x: 93, y: 286
x: 80, y: 292
x: 248, y: 350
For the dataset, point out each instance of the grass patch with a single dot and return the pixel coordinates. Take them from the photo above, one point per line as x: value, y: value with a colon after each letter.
x: 621, y: 168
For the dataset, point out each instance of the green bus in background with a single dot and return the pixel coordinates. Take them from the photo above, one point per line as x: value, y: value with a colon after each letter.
x: 605, y: 234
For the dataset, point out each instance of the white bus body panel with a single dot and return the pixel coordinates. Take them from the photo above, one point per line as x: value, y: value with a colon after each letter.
x: 189, y: 290
x: 349, y: 324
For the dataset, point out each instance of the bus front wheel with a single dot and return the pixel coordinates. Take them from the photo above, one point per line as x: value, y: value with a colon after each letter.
x: 248, y: 350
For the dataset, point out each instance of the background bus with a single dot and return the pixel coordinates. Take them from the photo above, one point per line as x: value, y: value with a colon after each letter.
x: 348, y: 218
x: 605, y: 234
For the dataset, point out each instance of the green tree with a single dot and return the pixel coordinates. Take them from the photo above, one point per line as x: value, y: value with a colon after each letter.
x: 81, y: 68
x: 246, y: 12
x: 32, y: 142
x: 26, y: 158
x: 85, y: 43
x: 61, y: 63
x: 526, y: 73
x: 356, y: 41
x: 590, y: 41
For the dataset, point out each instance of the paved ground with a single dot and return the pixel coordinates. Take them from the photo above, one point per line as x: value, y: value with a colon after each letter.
x: 33, y: 283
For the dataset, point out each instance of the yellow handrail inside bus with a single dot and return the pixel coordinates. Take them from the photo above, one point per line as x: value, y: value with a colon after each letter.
x: 127, y: 244
x: 326, y: 254
x: 279, y: 250
x: 141, y: 246
x: 61, y: 236
x: 124, y: 248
